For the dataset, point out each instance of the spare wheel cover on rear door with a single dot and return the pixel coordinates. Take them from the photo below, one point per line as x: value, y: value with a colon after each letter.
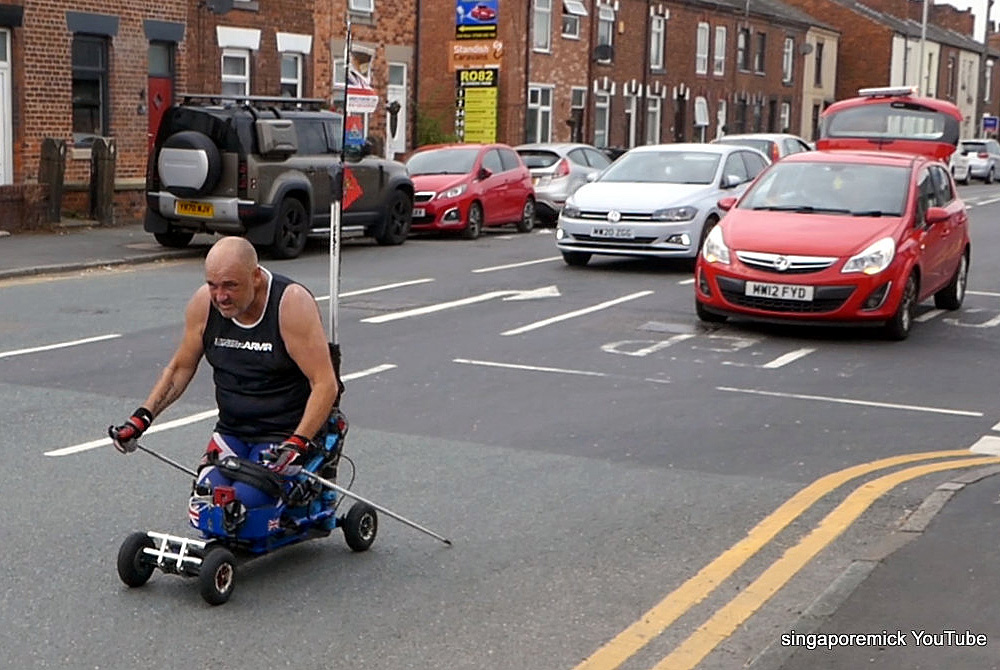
x: 189, y: 164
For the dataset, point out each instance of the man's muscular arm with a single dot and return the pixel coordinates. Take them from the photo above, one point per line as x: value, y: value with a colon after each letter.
x: 302, y: 332
x: 180, y: 370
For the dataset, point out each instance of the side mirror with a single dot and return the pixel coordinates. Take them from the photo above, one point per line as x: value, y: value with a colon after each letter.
x: 936, y: 215
x: 731, y: 180
x: 592, y: 176
x: 726, y: 204
x: 483, y: 173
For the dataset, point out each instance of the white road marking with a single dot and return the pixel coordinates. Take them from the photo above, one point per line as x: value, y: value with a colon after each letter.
x: 987, y: 444
x: 684, y: 282
x: 579, y: 312
x: 927, y: 316
x: 785, y: 359
x: 193, y: 418
x: 471, y: 300
x: 991, y: 294
x: 849, y: 401
x: 563, y: 371
x: 517, y: 265
x: 375, y: 289
x: 996, y: 427
x: 61, y: 345
x: 987, y: 202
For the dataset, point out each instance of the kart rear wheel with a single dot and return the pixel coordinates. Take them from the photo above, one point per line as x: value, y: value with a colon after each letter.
x: 217, y: 576
x: 133, y: 567
x: 360, y: 526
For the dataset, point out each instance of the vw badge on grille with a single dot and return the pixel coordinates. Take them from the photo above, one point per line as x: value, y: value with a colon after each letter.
x: 614, y: 216
x: 781, y: 263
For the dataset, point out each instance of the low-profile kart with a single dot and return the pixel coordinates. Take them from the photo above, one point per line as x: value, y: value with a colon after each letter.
x: 306, y: 508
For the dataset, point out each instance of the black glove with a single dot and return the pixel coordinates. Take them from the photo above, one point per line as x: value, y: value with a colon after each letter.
x: 287, y: 455
x: 125, y: 437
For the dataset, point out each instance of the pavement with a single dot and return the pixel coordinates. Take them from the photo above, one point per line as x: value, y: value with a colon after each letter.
x: 937, y: 573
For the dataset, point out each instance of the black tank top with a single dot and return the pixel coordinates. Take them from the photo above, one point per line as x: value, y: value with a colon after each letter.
x: 260, y: 391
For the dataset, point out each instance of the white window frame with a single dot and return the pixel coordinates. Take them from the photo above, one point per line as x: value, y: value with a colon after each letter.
x: 6, y: 109
x: 605, y: 26
x: 701, y: 49
x: 719, y: 56
x: 742, y: 50
x: 242, y: 54
x: 572, y: 11
x: 654, y: 119
x: 631, y: 109
x: 541, y: 25
x: 297, y: 80
x: 988, y: 87
x: 573, y: 103
x: 338, y: 88
x: 785, y: 117
x: 538, y: 108
x: 361, y: 6
x: 398, y: 91
x: 657, y: 41
x: 788, y: 60
x: 759, y: 54
x: 602, y: 118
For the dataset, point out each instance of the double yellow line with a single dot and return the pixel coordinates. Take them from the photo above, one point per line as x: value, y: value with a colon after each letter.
x: 722, y: 624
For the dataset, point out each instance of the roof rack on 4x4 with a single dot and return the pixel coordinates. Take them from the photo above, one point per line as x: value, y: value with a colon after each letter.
x: 252, y: 101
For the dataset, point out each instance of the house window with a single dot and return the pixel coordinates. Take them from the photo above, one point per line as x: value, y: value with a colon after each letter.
x: 541, y: 28
x: 605, y: 27
x: 701, y: 49
x: 758, y: 65
x: 719, y: 61
x: 785, y: 120
x: 988, y: 88
x: 818, y: 74
x: 235, y: 72
x: 577, y: 104
x: 720, y: 119
x: 758, y: 117
x: 741, y: 115
x: 952, y: 79
x: 91, y: 113
x: 657, y: 40
x: 743, y: 49
x: 653, y: 116
x: 362, y: 6
x: 631, y: 107
x: 538, y: 126
x: 572, y: 11
x: 787, y: 59
x: 602, y: 110
x: 291, y: 75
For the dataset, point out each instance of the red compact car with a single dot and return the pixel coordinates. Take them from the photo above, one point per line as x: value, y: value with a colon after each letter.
x: 483, y: 13
x: 859, y: 234
x: 464, y: 187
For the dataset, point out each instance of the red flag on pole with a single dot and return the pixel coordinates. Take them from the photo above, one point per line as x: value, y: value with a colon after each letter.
x: 352, y: 189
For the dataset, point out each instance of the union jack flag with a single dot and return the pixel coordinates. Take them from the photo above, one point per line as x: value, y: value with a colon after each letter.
x: 273, y: 524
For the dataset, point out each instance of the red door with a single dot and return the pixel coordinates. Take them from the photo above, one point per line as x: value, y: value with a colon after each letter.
x: 161, y: 95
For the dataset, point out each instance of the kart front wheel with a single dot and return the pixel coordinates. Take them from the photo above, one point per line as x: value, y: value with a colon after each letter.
x: 217, y: 576
x: 360, y: 526
x: 134, y: 567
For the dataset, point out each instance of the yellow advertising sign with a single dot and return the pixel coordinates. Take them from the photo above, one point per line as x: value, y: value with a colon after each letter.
x: 474, y: 54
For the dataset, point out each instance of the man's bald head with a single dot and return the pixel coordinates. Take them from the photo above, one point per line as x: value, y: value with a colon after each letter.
x: 233, y: 253
x: 236, y: 283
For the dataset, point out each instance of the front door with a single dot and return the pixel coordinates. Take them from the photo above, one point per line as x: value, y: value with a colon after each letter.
x: 396, y: 92
x: 6, y: 135
x: 160, y: 88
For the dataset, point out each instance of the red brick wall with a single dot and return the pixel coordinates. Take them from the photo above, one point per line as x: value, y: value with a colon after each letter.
x: 23, y: 206
x: 960, y: 20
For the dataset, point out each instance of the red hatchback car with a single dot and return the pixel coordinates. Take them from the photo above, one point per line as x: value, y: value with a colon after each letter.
x: 862, y: 234
x: 464, y: 187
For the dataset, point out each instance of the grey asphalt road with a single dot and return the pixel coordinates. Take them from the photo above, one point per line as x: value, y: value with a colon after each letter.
x: 587, y: 462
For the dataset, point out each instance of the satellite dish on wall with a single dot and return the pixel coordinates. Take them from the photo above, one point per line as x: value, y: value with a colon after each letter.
x: 604, y: 52
x: 219, y: 6
x: 805, y: 48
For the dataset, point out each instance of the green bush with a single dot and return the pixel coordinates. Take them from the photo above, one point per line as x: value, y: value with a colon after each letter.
x: 429, y: 131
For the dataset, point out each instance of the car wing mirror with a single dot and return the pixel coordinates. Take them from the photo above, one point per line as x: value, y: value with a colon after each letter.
x: 726, y: 204
x: 484, y: 173
x: 936, y: 215
x: 731, y: 180
x: 592, y: 176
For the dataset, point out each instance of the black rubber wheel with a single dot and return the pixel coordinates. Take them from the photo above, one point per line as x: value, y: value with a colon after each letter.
x: 527, y: 221
x: 989, y: 177
x: 192, y: 140
x: 707, y: 316
x: 217, y: 575
x: 898, y: 327
x: 360, y: 526
x: 134, y: 567
x: 291, y: 229
x: 576, y: 258
x: 474, y: 226
x: 952, y: 295
x: 398, y: 218
x: 175, y: 239
x: 710, y: 223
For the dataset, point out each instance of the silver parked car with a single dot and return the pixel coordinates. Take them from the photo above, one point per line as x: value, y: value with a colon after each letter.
x: 773, y: 145
x: 557, y: 170
x: 658, y: 200
x: 984, y: 158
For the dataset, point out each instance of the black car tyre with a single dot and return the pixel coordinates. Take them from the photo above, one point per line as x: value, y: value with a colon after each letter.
x: 527, y: 221
x: 291, y: 229
x: 134, y: 568
x: 204, y: 178
x: 360, y: 526
x: 474, y: 226
x: 217, y: 575
x: 989, y: 177
x: 898, y: 327
x: 952, y: 295
x: 707, y: 316
x: 175, y: 239
x: 398, y: 218
x: 576, y: 258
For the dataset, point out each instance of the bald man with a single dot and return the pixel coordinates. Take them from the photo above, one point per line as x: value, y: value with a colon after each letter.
x: 274, y: 380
